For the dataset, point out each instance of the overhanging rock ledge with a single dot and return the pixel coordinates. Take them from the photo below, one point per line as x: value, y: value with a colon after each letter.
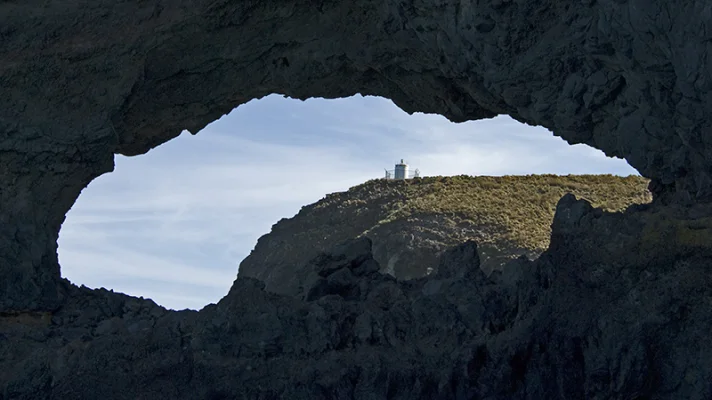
x: 82, y: 81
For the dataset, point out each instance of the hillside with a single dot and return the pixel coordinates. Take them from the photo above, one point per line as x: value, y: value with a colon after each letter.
x: 411, y: 223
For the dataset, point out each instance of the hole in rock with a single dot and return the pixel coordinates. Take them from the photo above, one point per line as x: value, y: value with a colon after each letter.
x: 173, y: 224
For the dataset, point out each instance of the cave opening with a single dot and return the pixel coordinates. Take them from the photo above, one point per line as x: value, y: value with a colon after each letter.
x: 173, y: 224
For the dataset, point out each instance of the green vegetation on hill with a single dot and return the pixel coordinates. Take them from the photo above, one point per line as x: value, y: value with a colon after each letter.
x: 521, y: 206
x: 412, y: 222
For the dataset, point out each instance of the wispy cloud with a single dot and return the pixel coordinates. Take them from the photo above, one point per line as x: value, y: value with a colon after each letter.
x: 174, y: 224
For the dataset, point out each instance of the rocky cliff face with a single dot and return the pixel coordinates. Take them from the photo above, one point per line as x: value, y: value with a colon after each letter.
x: 629, y: 77
x: 81, y: 83
x: 617, y: 307
x: 411, y: 223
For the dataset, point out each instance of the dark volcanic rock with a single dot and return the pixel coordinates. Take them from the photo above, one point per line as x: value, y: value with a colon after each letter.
x: 588, y: 319
x: 625, y: 77
x: 81, y: 83
x: 617, y: 308
x: 460, y: 262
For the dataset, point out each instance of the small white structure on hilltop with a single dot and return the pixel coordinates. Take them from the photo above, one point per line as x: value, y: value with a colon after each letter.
x: 402, y: 172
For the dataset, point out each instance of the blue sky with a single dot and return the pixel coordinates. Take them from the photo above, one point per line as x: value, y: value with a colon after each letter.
x: 174, y: 224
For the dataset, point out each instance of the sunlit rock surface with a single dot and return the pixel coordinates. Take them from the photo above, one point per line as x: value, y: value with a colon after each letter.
x: 412, y: 222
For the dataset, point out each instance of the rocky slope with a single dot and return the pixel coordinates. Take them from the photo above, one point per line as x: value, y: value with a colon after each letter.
x: 616, y: 308
x: 411, y: 223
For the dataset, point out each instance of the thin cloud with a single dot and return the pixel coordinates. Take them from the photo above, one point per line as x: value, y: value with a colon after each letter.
x: 174, y: 224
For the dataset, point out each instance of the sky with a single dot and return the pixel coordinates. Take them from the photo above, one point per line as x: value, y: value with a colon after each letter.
x: 173, y: 224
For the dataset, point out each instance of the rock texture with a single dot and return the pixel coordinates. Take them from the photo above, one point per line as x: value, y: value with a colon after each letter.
x: 615, y: 309
x: 83, y: 82
x: 629, y: 77
x: 411, y: 223
x: 618, y: 307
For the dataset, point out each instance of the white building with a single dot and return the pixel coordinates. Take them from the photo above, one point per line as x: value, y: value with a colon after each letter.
x: 402, y: 171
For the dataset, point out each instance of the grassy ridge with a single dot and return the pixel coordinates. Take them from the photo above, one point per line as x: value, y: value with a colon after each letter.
x: 521, y: 206
x: 411, y: 221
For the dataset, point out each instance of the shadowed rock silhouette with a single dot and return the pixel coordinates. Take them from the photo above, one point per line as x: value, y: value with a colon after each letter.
x: 617, y: 307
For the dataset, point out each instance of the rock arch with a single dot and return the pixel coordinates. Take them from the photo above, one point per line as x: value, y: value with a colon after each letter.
x: 83, y: 82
